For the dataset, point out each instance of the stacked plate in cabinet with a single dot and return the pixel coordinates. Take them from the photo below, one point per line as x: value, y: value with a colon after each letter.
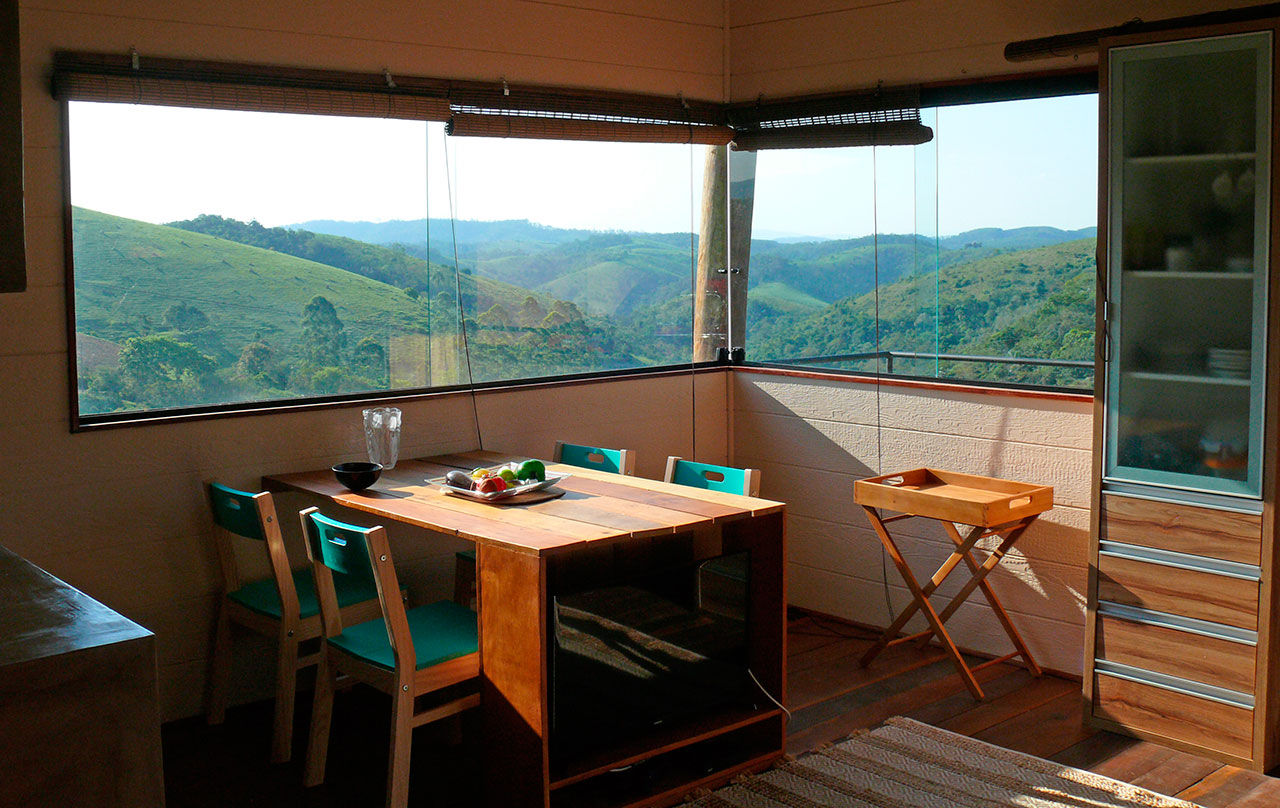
x: 1230, y: 363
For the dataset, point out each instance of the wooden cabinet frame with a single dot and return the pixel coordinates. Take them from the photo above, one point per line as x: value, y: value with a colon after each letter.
x: 1263, y: 748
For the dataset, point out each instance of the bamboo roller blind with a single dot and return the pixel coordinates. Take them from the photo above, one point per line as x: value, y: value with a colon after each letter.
x: 488, y: 109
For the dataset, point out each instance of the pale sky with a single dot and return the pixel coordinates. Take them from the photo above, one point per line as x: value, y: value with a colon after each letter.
x: 997, y: 165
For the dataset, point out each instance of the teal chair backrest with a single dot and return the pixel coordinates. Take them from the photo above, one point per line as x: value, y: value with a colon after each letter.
x: 235, y: 511
x: 593, y: 457
x: 341, y: 547
x: 710, y: 477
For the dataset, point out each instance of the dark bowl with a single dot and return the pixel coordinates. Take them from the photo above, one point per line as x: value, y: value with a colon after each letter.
x: 357, y: 476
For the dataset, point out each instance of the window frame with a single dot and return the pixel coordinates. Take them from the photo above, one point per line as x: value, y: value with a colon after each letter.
x: 1018, y: 87
x: 1021, y: 86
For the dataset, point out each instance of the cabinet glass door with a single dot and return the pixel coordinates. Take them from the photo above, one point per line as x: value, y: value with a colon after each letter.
x: 1189, y: 163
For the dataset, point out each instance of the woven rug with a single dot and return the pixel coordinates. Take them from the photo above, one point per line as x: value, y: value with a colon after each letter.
x: 906, y: 764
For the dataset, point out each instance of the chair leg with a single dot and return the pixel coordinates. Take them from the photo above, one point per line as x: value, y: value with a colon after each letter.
x: 286, y: 691
x: 464, y: 581
x: 321, y: 718
x: 401, y: 750
x: 219, y: 669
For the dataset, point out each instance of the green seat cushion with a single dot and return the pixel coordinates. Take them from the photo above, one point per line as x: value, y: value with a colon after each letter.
x: 441, y: 631
x: 263, y: 598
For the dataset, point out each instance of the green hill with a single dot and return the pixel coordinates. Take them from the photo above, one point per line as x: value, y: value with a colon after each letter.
x: 169, y: 317
x: 1035, y: 303
x: 380, y: 263
x: 128, y: 274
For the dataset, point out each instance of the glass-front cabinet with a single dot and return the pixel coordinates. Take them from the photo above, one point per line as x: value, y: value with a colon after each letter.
x: 1188, y: 217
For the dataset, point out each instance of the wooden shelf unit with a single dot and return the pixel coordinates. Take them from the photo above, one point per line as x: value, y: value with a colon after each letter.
x: 1183, y: 618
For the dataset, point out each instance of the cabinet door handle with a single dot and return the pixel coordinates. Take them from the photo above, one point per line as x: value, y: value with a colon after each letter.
x: 1174, y: 684
x: 1184, y: 561
x: 1190, y: 625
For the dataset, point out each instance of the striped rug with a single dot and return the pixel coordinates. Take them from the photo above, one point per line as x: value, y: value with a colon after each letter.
x: 906, y: 764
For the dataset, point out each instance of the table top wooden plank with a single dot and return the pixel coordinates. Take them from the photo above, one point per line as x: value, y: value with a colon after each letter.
x: 409, y: 479
x: 596, y: 506
x: 405, y: 508
x: 600, y: 508
x: 746, y: 506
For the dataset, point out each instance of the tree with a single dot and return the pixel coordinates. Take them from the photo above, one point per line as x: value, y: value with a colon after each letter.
x: 371, y: 359
x: 181, y: 317
x: 254, y: 358
x: 161, y: 372
x: 322, y: 333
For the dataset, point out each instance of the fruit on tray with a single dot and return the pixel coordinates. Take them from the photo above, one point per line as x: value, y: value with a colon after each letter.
x: 532, y: 470
x: 459, y: 479
x: 495, y: 479
x: 491, y: 485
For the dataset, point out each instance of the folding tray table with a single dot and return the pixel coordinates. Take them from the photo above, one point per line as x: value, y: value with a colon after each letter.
x: 990, y: 507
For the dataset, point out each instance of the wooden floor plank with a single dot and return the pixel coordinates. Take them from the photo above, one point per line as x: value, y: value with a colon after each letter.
x: 1097, y: 748
x: 1224, y: 787
x: 997, y: 709
x: 805, y: 635
x: 1263, y: 795
x: 940, y: 682
x: 1043, y: 730
x: 1177, y: 773
x: 1134, y: 761
x: 839, y: 673
x: 957, y: 704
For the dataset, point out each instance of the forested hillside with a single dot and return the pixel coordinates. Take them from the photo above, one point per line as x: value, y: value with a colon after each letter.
x: 214, y: 310
x: 1036, y: 303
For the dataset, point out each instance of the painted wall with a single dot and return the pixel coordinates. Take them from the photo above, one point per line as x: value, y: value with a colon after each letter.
x: 816, y: 46
x: 812, y: 438
x: 120, y: 513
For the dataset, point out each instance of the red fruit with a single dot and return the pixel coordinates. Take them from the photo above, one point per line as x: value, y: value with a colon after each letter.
x: 491, y: 485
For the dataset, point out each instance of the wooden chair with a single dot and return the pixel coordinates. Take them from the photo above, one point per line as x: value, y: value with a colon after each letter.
x: 615, y: 461
x: 282, y: 606
x: 403, y: 653
x: 726, y: 479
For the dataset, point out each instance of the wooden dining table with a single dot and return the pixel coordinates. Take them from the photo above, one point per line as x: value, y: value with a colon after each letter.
x: 524, y: 553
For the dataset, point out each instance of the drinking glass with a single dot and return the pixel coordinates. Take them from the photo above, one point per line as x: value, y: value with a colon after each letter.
x: 382, y: 435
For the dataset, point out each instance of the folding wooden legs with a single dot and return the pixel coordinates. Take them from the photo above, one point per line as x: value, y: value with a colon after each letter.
x: 920, y: 594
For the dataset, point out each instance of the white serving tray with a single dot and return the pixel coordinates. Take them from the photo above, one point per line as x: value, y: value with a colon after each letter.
x: 552, y: 479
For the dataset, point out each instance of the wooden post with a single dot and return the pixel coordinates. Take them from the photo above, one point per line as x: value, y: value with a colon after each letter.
x: 710, y: 304
x: 13, y: 264
x: 742, y: 196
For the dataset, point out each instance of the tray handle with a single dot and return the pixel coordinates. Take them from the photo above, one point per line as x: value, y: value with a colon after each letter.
x: 896, y: 479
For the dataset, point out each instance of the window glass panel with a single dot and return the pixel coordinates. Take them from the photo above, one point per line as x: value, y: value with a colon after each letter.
x: 596, y: 236
x: 225, y: 258
x: 977, y: 252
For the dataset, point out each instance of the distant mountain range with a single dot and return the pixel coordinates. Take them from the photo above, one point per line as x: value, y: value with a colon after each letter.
x: 414, y: 231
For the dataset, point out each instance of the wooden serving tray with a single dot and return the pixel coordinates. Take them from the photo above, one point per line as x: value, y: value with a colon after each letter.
x: 954, y: 497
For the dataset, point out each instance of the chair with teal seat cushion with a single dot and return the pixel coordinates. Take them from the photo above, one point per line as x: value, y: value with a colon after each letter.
x: 709, y: 477
x: 282, y: 606
x: 405, y: 653
x: 263, y: 596
x: 616, y: 461
x: 727, y: 480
